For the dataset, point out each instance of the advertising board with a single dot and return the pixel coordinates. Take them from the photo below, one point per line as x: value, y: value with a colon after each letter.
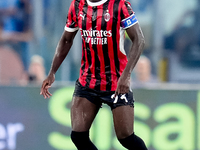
x: 165, y: 119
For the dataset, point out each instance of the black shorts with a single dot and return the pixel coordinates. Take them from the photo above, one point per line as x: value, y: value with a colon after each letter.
x: 99, y: 97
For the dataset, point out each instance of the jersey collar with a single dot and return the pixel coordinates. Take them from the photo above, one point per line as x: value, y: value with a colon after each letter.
x: 93, y: 4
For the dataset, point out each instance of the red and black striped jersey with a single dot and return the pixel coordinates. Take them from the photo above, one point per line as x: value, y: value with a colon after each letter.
x: 102, y: 25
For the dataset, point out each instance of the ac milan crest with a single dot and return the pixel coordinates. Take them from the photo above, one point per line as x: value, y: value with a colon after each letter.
x: 107, y: 16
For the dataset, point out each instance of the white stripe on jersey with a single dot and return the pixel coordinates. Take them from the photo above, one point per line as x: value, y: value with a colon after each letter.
x: 71, y: 29
x: 93, y: 4
x: 121, y: 41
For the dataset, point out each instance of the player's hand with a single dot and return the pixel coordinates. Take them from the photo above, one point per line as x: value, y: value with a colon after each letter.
x: 123, y: 85
x: 46, y: 85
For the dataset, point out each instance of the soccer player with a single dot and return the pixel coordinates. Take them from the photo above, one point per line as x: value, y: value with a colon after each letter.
x: 105, y: 69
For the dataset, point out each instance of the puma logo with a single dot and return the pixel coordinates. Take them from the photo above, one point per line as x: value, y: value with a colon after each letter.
x: 83, y: 16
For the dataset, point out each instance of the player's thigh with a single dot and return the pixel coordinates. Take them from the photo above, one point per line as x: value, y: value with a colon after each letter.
x: 83, y: 113
x: 123, y: 118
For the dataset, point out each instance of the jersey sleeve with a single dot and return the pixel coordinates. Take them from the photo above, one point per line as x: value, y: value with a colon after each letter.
x: 71, y: 23
x: 128, y: 17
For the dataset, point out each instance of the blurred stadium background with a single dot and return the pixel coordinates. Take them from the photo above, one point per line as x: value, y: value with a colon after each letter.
x: 167, y: 109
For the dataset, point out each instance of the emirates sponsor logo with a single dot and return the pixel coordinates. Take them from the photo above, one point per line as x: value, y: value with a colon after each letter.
x: 96, y: 37
x: 96, y: 33
x: 96, y: 41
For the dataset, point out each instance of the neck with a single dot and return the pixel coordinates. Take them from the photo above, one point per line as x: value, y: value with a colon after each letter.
x: 94, y: 0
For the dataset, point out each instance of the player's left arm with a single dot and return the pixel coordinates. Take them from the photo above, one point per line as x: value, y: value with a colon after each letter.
x: 135, y: 34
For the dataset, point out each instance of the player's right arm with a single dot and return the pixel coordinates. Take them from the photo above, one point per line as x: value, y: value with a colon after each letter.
x: 62, y: 50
